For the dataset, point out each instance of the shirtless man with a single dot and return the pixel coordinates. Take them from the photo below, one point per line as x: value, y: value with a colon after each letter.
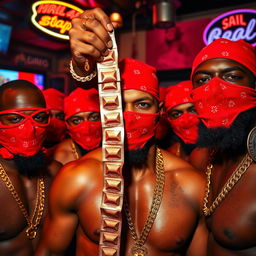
x: 77, y: 190
x: 82, y: 115
x: 224, y: 78
x: 25, y: 173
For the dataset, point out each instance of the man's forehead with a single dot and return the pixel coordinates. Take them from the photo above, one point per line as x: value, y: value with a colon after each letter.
x: 84, y: 113
x: 183, y: 106
x: 220, y: 62
x: 12, y: 99
x: 136, y: 94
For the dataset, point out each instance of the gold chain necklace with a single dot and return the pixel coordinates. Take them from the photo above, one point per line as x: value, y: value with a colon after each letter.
x: 74, y: 151
x: 139, y: 249
x: 31, y: 231
x: 233, y: 179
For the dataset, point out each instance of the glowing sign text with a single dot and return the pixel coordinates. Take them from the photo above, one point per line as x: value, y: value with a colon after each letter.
x: 234, y: 25
x: 54, y: 17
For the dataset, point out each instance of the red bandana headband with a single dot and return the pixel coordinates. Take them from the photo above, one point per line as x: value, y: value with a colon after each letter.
x: 137, y: 75
x: 54, y: 99
x: 178, y: 94
x: 81, y: 100
x: 239, y: 51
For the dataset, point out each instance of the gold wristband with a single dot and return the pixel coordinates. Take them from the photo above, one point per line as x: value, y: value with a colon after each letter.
x: 81, y: 78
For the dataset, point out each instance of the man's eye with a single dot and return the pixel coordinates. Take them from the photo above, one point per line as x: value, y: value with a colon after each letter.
x: 200, y: 79
x: 94, y: 117
x: 203, y: 80
x: 144, y: 105
x: 41, y: 118
x: 233, y: 77
x: 174, y: 115
x: 77, y: 121
x: 192, y: 111
x: 14, y: 119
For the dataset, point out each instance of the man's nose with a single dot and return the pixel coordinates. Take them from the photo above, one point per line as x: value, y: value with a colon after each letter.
x: 128, y: 107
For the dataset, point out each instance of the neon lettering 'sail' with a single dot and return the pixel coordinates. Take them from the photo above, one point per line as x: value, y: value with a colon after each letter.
x: 234, y: 25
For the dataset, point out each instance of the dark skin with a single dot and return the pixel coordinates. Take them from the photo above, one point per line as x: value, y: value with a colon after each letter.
x: 232, y: 226
x: 77, y: 190
x: 63, y: 152
x: 13, y: 240
x: 75, y: 199
x: 58, y: 114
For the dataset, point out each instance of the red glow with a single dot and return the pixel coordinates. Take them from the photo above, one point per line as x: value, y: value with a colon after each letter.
x: 52, y: 9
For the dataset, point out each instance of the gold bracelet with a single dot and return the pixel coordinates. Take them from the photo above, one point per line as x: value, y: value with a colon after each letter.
x: 81, y: 78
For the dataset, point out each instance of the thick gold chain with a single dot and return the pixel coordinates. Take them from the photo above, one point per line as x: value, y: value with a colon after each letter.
x: 31, y: 231
x: 231, y: 182
x: 156, y: 202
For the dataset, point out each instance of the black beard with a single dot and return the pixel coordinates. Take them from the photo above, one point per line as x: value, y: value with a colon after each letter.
x: 138, y: 158
x: 31, y: 166
x: 229, y: 141
x: 186, y: 147
x: 171, y: 138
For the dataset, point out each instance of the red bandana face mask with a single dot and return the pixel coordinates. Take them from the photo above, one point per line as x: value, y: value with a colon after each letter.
x: 139, y: 128
x: 56, y: 130
x: 26, y: 137
x: 87, y: 134
x: 218, y: 102
x: 186, y: 127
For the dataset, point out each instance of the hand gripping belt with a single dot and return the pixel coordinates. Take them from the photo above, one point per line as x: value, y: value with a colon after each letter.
x: 112, y: 152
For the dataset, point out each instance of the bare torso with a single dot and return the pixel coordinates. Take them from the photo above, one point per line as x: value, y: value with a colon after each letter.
x: 176, y: 220
x: 13, y: 225
x: 232, y: 225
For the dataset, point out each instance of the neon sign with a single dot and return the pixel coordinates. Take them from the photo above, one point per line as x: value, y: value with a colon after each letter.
x: 233, y: 25
x: 54, y: 17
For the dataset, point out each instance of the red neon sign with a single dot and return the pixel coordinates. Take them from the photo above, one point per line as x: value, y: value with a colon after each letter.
x: 233, y: 25
x: 54, y: 17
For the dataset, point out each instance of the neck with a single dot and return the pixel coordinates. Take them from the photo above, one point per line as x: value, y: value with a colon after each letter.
x: 138, y: 172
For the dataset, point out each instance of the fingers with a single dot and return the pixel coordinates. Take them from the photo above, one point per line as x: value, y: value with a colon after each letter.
x: 99, y: 35
x: 89, y: 37
x: 99, y: 15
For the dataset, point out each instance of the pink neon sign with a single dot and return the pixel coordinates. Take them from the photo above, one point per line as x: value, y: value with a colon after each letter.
x: 233, y: 25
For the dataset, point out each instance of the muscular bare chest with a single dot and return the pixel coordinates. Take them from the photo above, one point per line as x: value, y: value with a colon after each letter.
x: 20, y: 200
x: 233, y: 223
x: 174, y: 224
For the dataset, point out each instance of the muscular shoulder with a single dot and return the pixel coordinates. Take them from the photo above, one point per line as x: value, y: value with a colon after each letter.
x: 190, y: 180
x: 76, y: 179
